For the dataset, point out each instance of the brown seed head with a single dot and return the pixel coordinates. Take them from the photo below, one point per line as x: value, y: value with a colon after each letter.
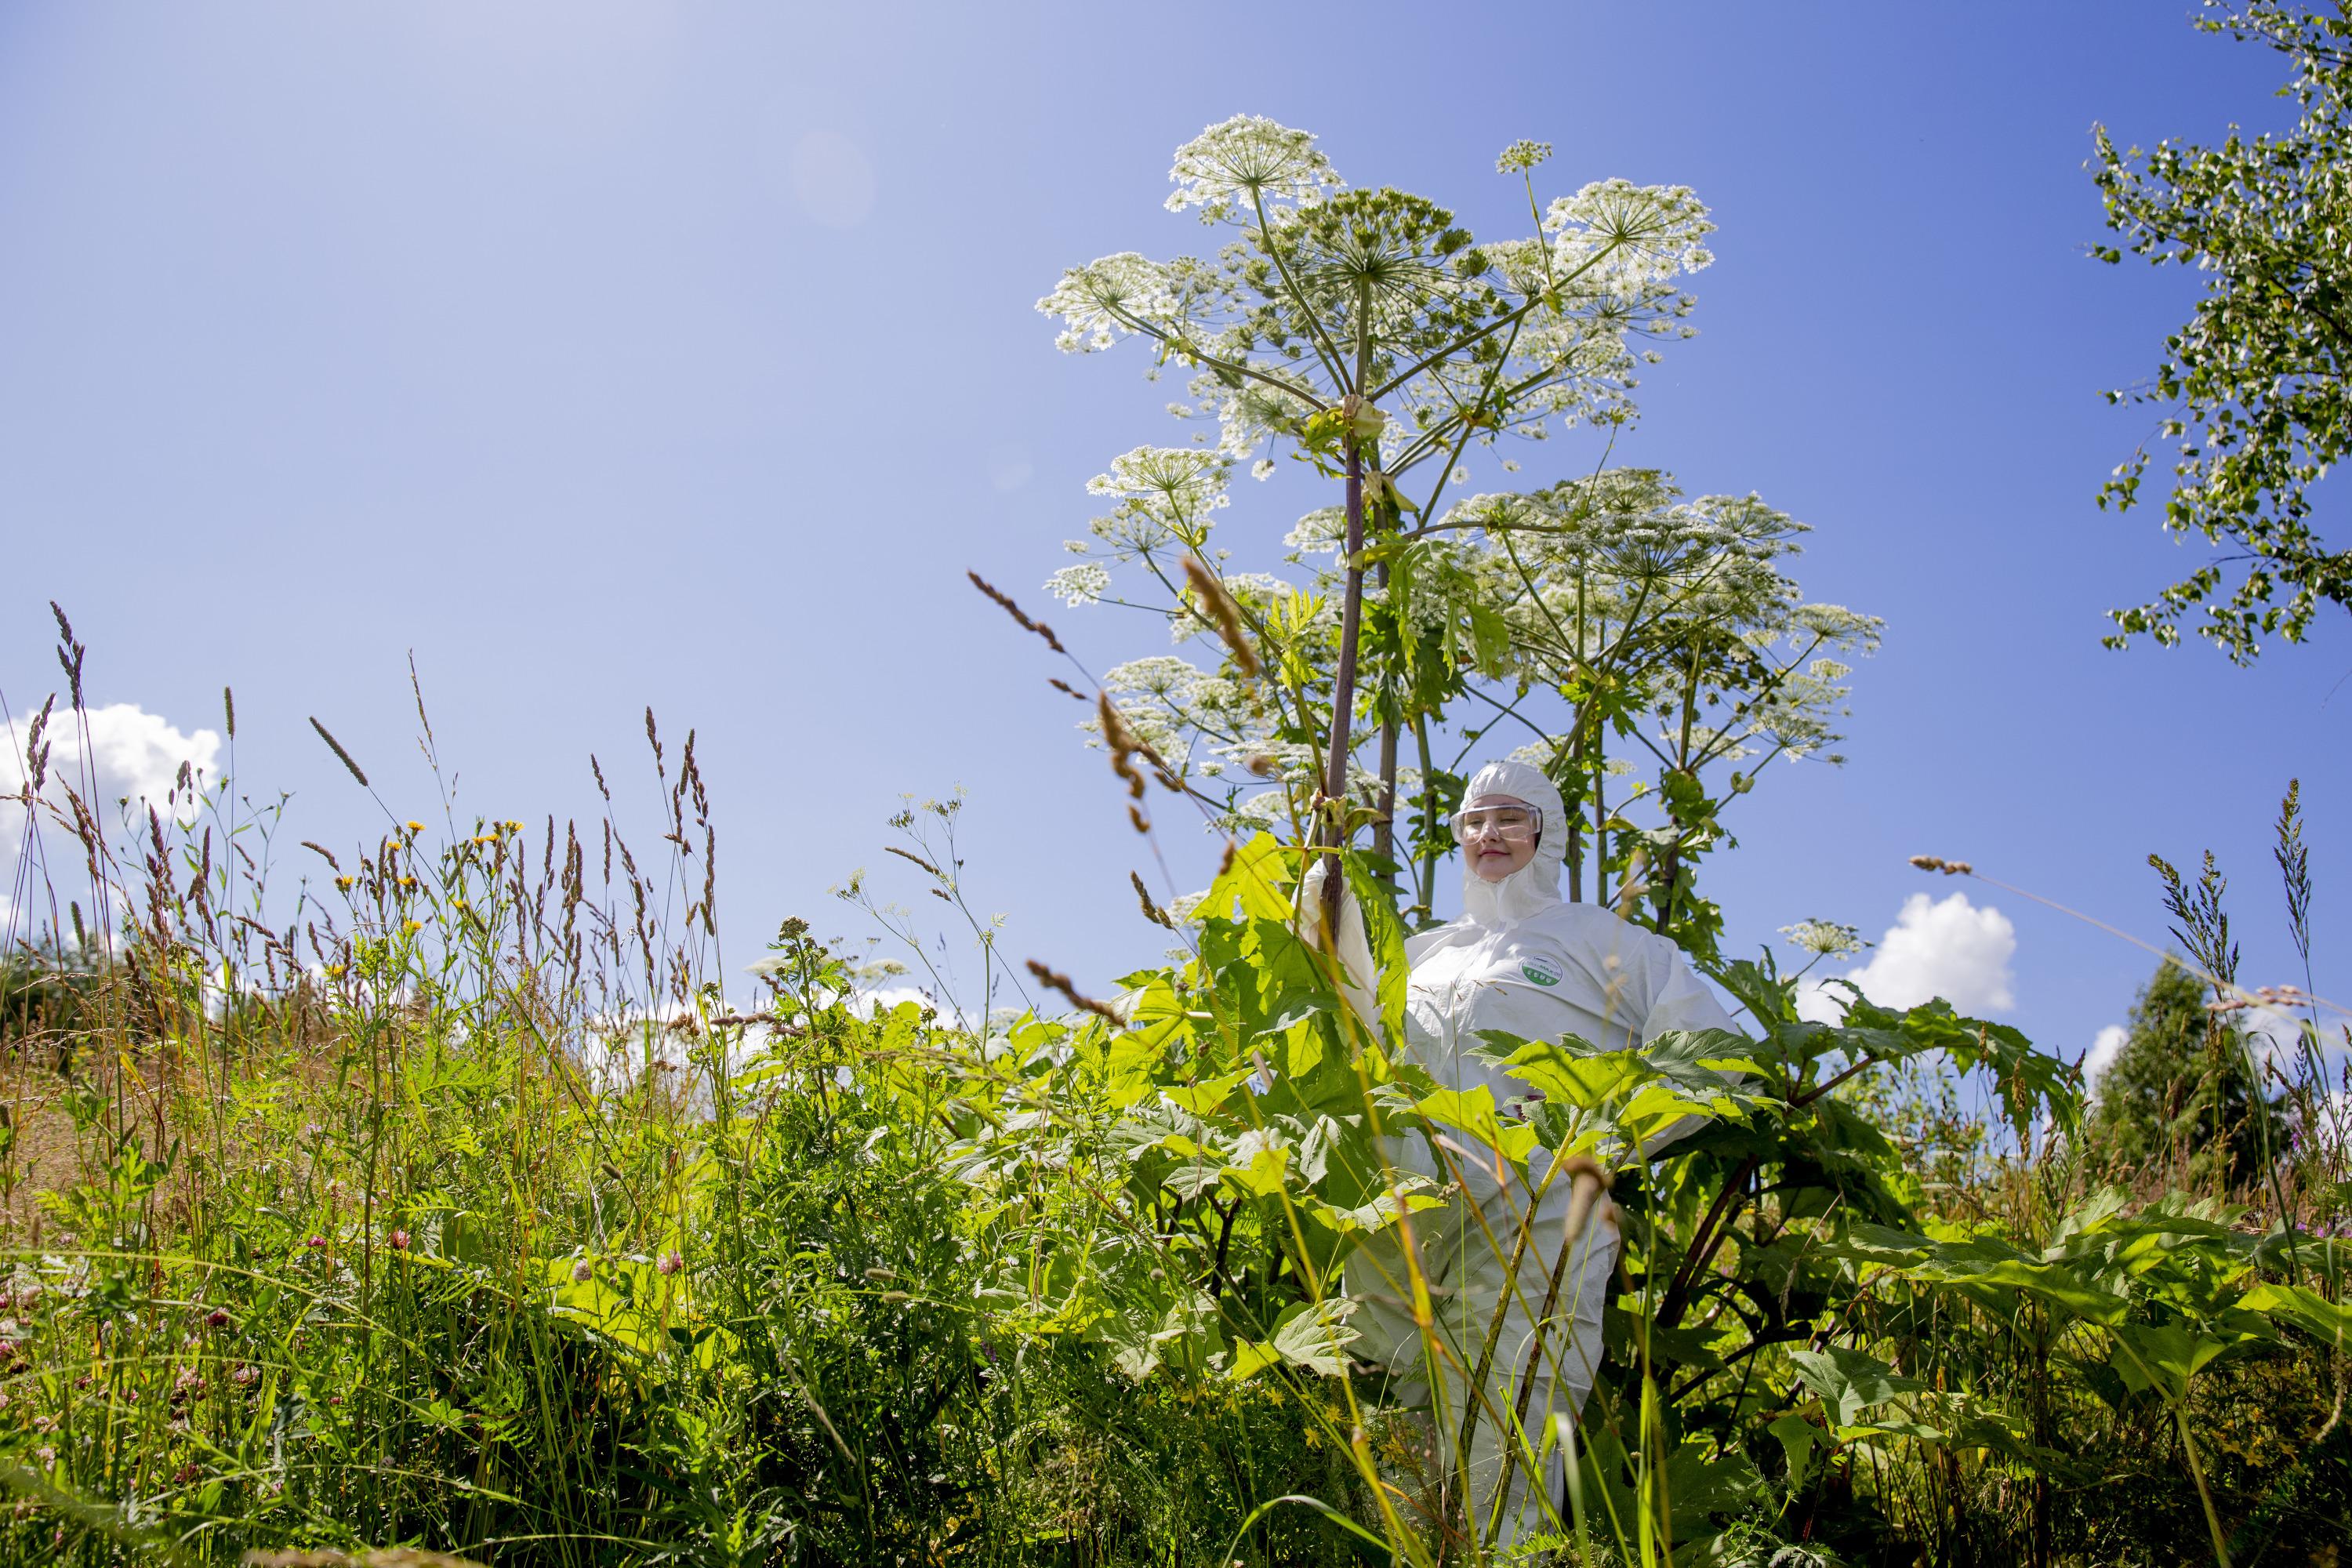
x: 1217, y: 603
x: 1151, y: 911
x: 1020, y: 618
x: 1061, y: 983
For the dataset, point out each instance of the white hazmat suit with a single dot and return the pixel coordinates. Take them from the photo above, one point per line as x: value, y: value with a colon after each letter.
x: 1522, y: 960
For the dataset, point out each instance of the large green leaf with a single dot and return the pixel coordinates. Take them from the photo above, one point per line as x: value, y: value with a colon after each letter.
x: 1472, y: 1112
x: 1849, y: 1381
x: 1252, y: 888
x: 2163, y: 1356
x: 2329, y: 1323
x: 1310, y: 1335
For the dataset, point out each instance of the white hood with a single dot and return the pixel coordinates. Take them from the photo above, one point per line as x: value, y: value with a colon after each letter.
x: 1534, y: 887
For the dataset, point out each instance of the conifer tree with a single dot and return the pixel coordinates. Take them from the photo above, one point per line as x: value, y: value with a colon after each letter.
x: 2178, y: 1096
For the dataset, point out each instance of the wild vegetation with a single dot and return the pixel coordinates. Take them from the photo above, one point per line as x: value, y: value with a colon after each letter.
x: 492, y: 1230
x: 445, y: 1201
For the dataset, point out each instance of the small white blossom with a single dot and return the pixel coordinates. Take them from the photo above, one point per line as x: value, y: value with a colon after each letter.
x: 1522, y: 155
x: 1080, y: 584
x: 1825, y: 938
x: 1318, y: 531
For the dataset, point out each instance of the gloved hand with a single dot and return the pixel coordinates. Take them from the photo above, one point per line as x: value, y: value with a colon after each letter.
x: 1348, y: 940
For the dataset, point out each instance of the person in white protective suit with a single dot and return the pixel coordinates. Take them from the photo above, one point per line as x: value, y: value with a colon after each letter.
x: 1522, y: 960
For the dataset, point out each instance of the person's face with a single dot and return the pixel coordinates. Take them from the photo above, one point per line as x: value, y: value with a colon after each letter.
x: 1499, y: 834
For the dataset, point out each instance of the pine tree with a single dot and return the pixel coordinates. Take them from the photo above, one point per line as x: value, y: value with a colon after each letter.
x: 2178, y: 1094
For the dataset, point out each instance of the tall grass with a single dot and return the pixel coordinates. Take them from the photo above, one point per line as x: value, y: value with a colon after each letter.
x: 455, y: 1207
x: 458, y: 1208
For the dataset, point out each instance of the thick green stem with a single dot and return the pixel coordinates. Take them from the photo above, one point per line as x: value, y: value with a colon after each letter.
x: 2204, y: 1493
x: 1425, y: 867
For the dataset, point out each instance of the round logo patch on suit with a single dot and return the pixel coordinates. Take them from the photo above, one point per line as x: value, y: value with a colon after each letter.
x: 1541, y: 969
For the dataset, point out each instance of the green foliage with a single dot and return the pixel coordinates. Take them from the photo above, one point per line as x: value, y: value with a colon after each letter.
x: 467, y: 1242
x: 2179, y: 1093
x: 1606, y: 621
x: 2257, y: 383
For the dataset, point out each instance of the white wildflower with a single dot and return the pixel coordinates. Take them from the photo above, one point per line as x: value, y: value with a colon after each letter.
x: 1521, y: 155
x: 1827, y: 939
x: 1080, y: 584
x: 1246, y: 160
x: 1318, y: 531
x: 1107, y: 299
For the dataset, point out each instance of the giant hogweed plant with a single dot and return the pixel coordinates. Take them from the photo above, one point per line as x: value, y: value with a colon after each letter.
x: 1182, y: 1178
x: 1780, y: 1257
x: 1607, y: 624
x: 1370, y: 330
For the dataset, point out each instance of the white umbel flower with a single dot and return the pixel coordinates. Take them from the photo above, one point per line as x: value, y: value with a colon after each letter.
x: 1249, y: 158
x: 1081, y: 584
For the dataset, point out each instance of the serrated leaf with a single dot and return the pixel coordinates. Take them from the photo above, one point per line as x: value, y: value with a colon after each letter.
x: 1314, y: 1336
x: 1850, y: 1382
x: 1472, y: 1112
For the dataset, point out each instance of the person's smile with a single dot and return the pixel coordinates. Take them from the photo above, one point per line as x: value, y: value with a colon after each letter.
x: 1492, y: 852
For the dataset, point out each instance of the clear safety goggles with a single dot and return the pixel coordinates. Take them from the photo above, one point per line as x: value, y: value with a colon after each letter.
x: 1515, y: 824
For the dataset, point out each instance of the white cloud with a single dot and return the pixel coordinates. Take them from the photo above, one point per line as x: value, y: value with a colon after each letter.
x: 129, y: 754
x: 2105, y: 1048
x: 1949, y: 948
x: 133, y: 752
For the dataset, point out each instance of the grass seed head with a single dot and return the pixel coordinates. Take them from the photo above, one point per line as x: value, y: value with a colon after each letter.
x: 1218, y: 604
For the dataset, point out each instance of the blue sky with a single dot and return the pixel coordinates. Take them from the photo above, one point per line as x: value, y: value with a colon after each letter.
x: 609, y: 356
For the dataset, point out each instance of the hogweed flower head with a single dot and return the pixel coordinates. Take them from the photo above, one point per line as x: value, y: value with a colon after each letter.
x: 1827, y: 939
x: 1231, y: 168
x: 1522, y: 155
